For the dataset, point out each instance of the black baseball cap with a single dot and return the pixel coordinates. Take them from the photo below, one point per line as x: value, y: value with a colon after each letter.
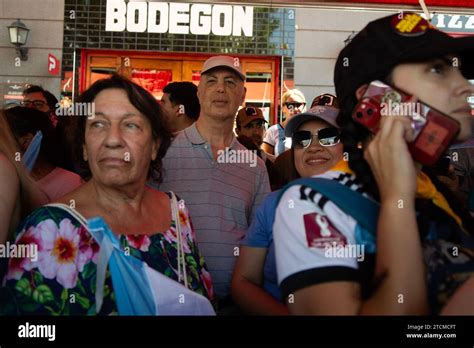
x: 389, y: 41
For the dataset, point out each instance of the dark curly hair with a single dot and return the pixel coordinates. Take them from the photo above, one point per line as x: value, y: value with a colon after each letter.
x: 144, y: 102
x: 184, y: 93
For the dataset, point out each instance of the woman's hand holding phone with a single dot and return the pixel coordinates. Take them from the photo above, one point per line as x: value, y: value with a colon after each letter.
x: 390, y: 160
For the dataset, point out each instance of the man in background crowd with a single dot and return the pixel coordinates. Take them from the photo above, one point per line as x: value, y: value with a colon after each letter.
x: 180, y: 105
x: 251, y: 123
x: 38, y: 98
x: 222, y: 195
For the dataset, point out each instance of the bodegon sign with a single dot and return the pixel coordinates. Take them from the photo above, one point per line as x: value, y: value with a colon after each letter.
x: 178, y: 18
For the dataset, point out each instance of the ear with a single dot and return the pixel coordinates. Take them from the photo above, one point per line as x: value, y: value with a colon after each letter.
x: 360, y: 91
x: 25, y: 141
x: 199, y: 91
x: 237, y: 131
x: 154, y: 149
x: 180, y: 110
x: 244, y: 95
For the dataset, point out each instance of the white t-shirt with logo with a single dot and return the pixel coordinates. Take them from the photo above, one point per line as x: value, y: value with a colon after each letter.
x: 306, y: 223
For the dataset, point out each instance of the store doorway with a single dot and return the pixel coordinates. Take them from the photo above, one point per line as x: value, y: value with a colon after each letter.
x: 153, y: 71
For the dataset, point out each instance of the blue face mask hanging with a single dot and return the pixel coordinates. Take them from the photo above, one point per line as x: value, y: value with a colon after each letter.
x: 31, y: 154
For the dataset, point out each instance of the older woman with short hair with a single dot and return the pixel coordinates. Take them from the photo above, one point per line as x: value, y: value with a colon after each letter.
x: 121, y: 147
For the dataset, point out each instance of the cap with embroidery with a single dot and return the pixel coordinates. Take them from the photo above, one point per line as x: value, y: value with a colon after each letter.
x: 325, y: 99
x: 249, y: 114
x: 318, y: 112
x: 232, y: 63
x: 389, y: 41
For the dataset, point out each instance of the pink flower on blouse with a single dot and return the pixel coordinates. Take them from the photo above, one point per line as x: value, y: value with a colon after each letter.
x: 171, y: 237
x: 139, y: 241
x: 88, y: 248
x: 59, y: 254
x: 207, y: 281
x: 17, y: 265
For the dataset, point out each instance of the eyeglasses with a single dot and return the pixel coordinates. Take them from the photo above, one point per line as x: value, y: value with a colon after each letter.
x: 294, y: 105
x: 327, y: 137
x: 255, y: 125
x: 34, y: 103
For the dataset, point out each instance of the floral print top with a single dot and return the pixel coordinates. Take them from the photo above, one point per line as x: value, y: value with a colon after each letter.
x: 61, y: 278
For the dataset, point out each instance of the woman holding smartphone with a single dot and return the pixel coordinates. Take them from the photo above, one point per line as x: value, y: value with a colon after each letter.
x: 393, y: 275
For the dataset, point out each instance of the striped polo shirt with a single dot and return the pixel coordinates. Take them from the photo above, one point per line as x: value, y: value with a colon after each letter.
x: 221, y: 195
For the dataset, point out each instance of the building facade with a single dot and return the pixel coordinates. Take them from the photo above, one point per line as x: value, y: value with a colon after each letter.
x: 72, y: 43
x: 45, y: 19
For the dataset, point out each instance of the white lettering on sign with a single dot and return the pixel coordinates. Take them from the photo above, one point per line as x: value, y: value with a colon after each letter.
x: 470, y: 23
x: 136, y: 9
x: 454, y: 23
x: 200, y: 19
x: 178, y: 18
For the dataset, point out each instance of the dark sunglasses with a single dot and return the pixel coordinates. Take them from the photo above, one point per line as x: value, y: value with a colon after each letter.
x: 327, y: 137
x: 294, y: 104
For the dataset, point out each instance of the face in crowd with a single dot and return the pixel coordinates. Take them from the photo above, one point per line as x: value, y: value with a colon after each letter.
x: 118, y: 141
x: 310, y: 155
x: 440, y: 84
x: 293, y: 105
x: 36, y: 100
x: 169, y: 109
x: 254, y: 130
x: 220, y: 93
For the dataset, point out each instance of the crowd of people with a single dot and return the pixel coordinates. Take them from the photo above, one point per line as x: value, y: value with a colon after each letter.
x: 317, y: 215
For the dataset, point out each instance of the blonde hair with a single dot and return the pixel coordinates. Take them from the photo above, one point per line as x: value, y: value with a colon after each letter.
x: 290, y: 93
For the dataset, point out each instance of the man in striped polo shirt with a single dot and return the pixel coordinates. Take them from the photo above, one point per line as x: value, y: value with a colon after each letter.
x: 221, y: 181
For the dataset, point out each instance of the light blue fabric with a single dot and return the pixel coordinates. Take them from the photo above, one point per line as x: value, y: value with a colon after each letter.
x: 31, y: 154
x: 281, y: 140
x: 363, y: 237
x: 132, y: 290
x: 260, y: 235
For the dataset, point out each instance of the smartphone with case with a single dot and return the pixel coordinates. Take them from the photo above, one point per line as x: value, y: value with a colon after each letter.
x: 434, y: 131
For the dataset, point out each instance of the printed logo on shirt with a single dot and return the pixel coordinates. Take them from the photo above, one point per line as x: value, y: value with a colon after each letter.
x: 320, y: 232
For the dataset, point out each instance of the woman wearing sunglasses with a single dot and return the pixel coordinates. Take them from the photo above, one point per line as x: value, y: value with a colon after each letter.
x: 417, y: 223
x: 316, y: 148
x: 274, y: 141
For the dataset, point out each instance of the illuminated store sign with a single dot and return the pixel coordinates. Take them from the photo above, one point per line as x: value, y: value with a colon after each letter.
x: 457, y: 23
x: 178, y: 18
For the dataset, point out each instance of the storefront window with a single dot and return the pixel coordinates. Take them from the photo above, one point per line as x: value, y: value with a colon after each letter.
x: 271, y: 46
x: 152, y: 80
